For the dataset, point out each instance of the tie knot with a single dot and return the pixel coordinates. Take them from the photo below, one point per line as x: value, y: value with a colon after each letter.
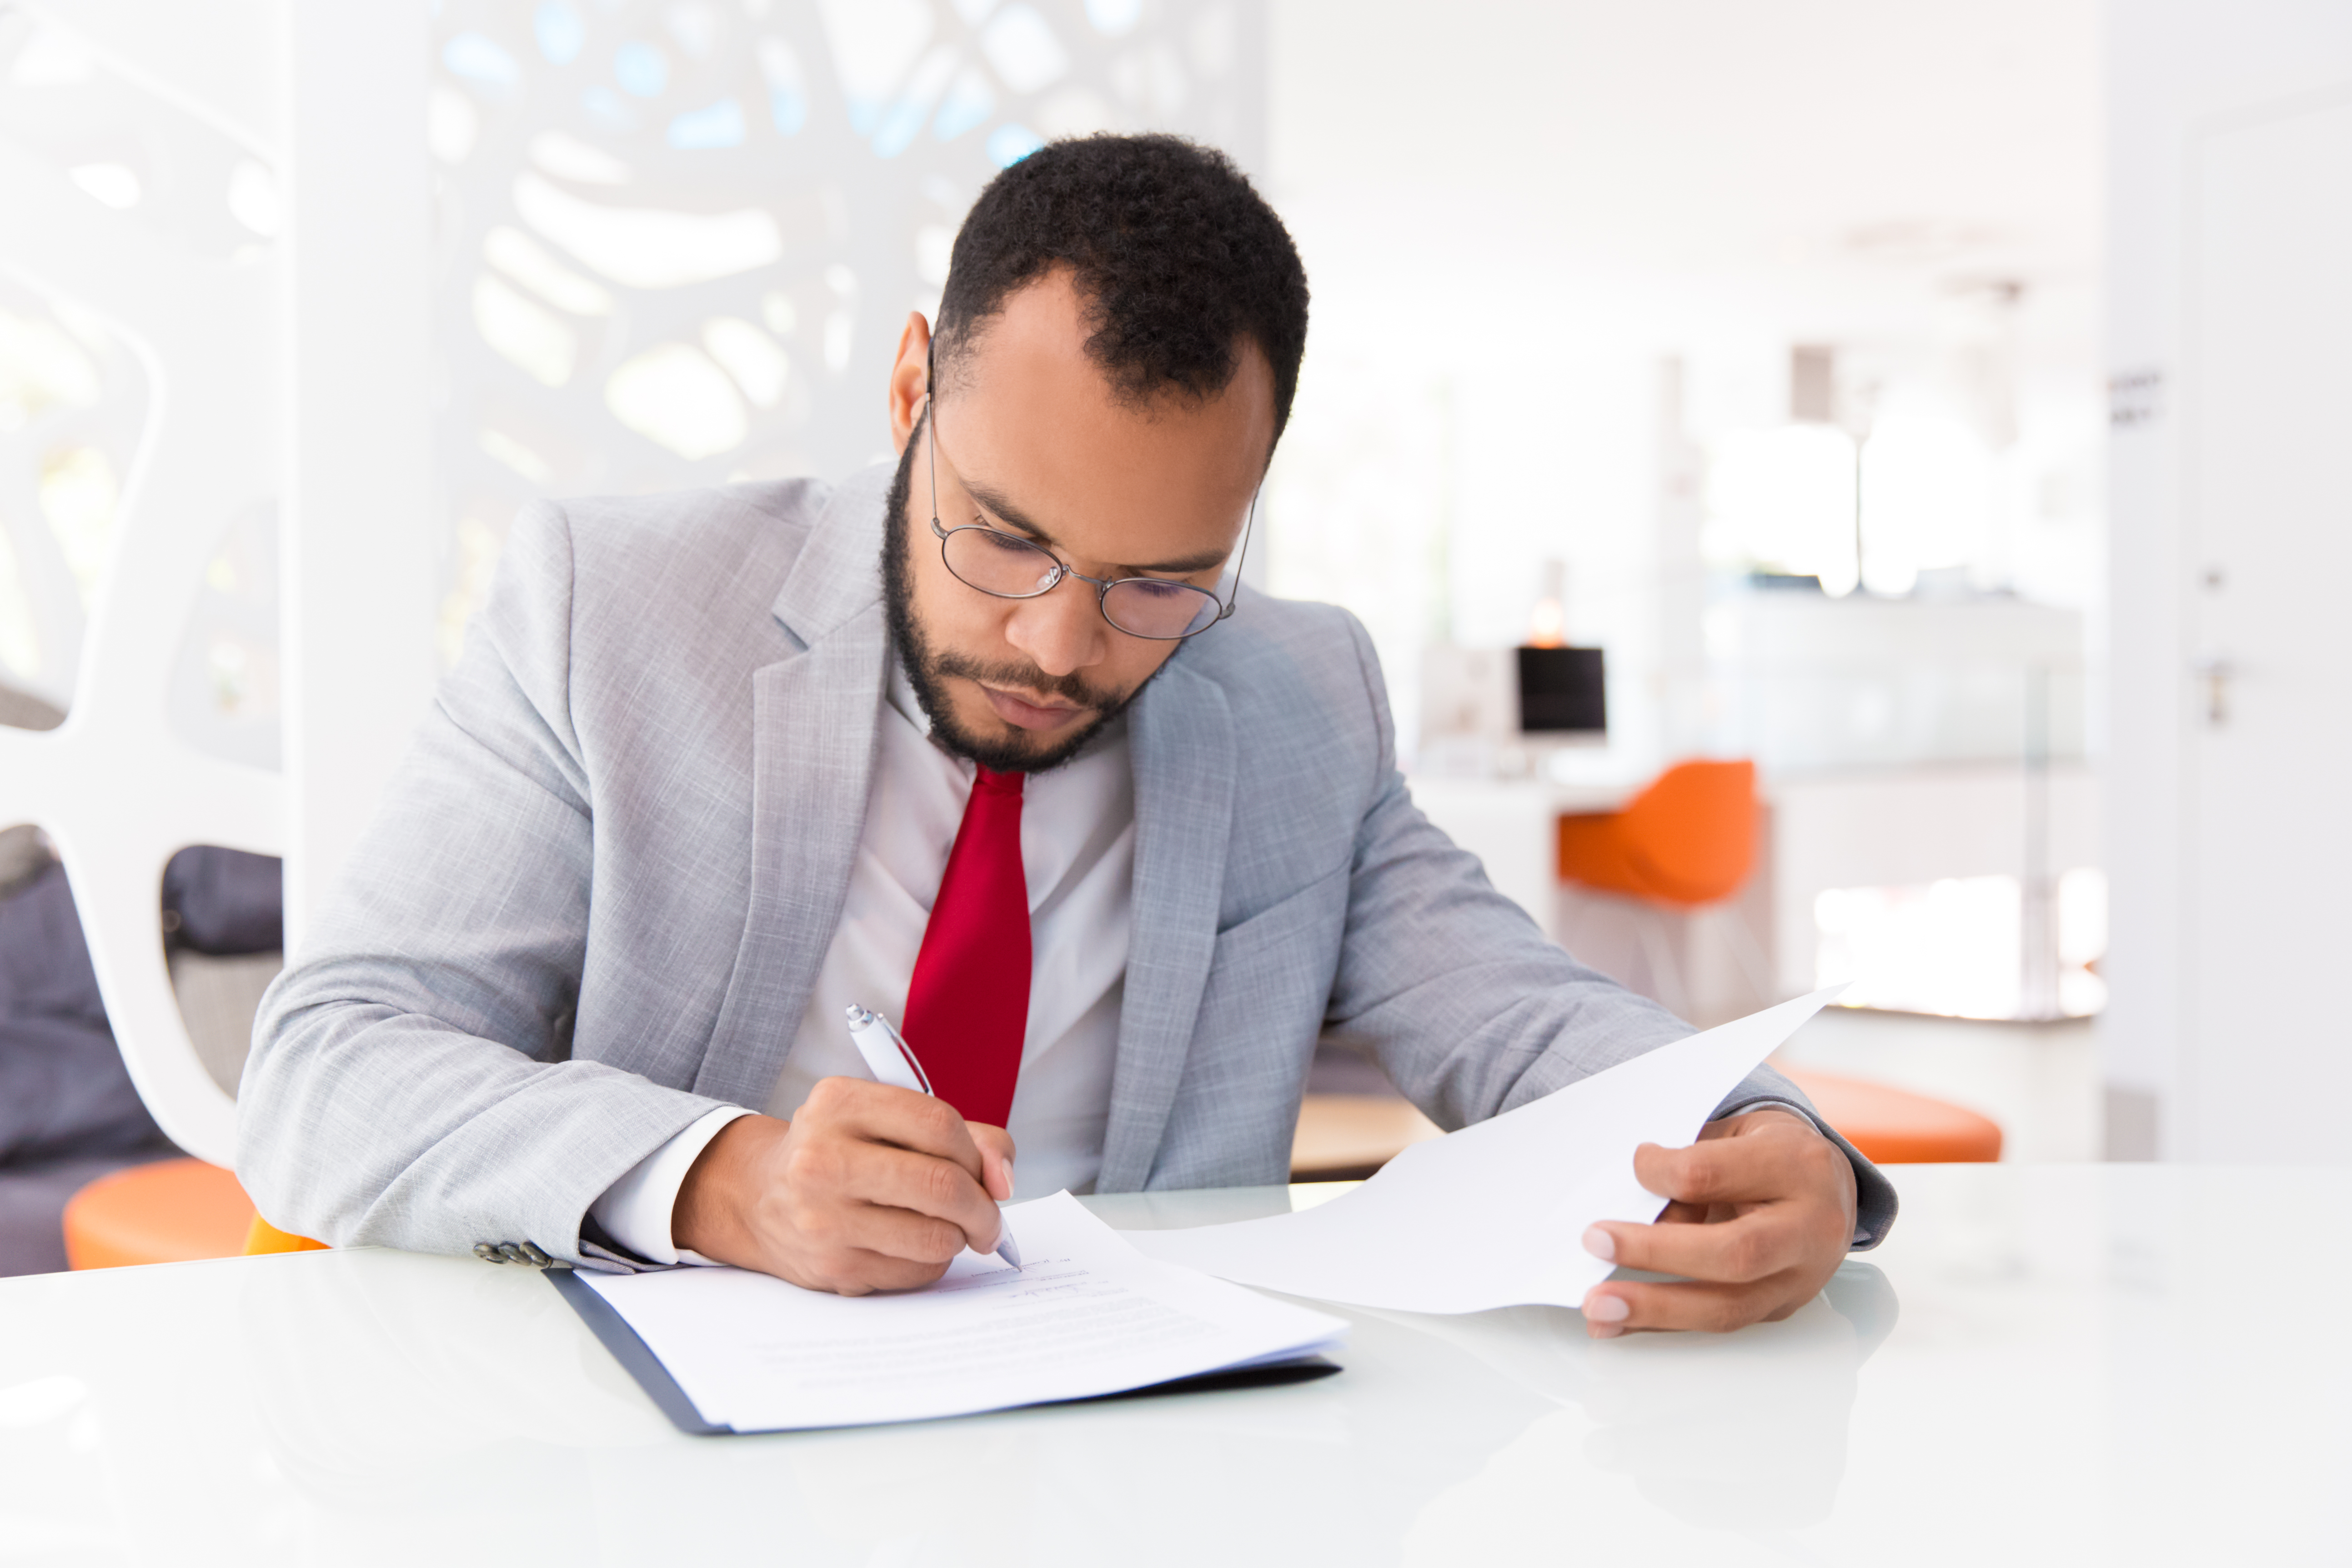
x: 998, y: 784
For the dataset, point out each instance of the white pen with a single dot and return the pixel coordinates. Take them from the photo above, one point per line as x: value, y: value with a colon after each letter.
x: 892, y: 1061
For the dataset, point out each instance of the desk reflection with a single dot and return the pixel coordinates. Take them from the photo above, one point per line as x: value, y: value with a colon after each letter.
x: 482, y: 1389
x: 371, y: 1408
x: 1746, y: 1430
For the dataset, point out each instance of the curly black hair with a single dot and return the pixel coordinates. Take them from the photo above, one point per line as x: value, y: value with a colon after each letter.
x: 1177, y: 257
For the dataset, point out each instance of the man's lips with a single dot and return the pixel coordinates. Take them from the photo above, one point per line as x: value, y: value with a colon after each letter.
x: 1022, y: 714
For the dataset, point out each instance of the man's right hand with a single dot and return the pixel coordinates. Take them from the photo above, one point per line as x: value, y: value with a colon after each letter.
x: 868, y: 1188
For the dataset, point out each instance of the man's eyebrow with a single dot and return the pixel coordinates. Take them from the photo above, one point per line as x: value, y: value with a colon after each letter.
x: 995, y: 501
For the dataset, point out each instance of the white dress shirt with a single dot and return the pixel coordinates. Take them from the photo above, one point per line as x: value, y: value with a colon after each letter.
x: 1077, y: 853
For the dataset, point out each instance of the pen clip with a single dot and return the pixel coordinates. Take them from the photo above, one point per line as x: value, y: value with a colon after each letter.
x: 882, y: 1056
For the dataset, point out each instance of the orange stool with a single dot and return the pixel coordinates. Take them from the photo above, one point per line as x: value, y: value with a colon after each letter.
x: 169, y: 1212
x: 1895, y: 1127
x: 262, y: 1236
x: 173, y: 1211
x: 1688, y: 839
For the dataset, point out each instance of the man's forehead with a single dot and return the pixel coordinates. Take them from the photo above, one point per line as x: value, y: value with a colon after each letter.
x: 1034, y: 418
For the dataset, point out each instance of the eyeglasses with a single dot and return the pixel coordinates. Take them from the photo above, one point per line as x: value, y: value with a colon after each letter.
x: 1011, y: 567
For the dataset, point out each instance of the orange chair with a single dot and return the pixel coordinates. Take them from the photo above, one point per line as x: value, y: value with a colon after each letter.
x: 1894, y: 1127
x: 173, y: 1211
x: 1689, y: 838
x: 1686, y: 840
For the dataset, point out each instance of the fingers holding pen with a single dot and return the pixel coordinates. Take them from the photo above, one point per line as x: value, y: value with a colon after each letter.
x: 868, y: 1187
x: 904, y: 1187
x: 904, y: 1118
x: 995, y: 1159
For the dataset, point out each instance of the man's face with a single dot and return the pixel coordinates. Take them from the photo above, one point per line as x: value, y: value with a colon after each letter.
x: 1033, y: 441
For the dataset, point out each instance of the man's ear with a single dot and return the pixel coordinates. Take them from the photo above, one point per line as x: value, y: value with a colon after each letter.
x: 910, y: 379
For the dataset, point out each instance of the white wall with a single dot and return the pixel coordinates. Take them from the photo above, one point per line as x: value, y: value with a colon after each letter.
x: 2172, y: 69
x: 357, y: 533
x: 1515, y: 219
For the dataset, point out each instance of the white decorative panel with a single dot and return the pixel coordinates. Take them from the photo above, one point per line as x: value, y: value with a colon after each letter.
x: 138, y: 463
x: 677, y: 241
x: 672, y: 244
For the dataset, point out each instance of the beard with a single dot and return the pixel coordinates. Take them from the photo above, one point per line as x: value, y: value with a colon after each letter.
x: 928, y: 668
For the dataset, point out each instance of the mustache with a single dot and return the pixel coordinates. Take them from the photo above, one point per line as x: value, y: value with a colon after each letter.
x: 1027, y: 677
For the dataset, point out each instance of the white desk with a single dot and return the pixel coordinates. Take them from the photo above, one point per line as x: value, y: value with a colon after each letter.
x: 2076, y: 1373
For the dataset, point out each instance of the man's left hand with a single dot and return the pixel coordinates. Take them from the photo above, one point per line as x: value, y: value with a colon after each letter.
x: 1760, y: 1213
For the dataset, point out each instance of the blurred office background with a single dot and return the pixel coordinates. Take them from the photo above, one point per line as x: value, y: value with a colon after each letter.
x: 1925, y: 412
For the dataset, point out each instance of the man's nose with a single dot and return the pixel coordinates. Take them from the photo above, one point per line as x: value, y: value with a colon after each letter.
x: 1062, y: 630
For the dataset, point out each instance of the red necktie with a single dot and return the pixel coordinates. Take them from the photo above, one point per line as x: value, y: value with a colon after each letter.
x: 968, y: 1007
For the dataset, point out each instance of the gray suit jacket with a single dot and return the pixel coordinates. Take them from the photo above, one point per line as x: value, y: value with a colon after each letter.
x: 610, y: 866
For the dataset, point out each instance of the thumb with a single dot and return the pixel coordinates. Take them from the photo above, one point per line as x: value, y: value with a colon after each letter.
x: 995, y: 1159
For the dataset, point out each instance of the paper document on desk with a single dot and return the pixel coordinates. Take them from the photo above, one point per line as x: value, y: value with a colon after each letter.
x: 1494, y: 1216
x: 1088, y: 1316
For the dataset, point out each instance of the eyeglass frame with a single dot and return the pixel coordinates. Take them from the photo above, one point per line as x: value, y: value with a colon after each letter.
x: 1063, y: 569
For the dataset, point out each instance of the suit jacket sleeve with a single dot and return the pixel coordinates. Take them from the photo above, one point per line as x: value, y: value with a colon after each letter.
x: 1466, y: 1003
x: 409, y: 1083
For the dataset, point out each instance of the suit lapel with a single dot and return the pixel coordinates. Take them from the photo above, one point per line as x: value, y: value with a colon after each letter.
x: 1181, y: 745
x: 814, y: 719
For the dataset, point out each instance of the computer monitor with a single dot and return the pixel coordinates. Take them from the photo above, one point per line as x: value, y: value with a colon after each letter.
x: 1562, y: 690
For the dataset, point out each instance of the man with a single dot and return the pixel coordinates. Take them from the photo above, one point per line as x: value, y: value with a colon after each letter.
x: 998, y: 750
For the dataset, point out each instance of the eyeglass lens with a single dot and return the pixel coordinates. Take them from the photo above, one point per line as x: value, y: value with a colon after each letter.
x: 1014, y: 568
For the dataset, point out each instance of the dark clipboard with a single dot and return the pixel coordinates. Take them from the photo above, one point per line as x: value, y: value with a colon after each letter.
x: 637, y: 1359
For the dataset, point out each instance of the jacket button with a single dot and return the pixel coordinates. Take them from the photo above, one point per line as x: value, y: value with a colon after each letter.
x: 538, y: 1259
x: 487, y: 1253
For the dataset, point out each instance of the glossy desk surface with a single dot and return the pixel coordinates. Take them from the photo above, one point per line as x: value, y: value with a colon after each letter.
x: 2046, y: 1364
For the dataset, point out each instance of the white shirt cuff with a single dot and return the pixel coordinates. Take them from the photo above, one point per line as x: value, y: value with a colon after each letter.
x: 636, y: 1210
x: 1766, y: 1102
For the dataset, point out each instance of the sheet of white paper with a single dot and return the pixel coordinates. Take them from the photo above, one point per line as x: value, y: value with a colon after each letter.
x: 1494, y: 1216
x: 1089, y: 1315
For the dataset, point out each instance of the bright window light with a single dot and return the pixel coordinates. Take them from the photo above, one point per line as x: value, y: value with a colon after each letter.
x: 750, y: 355
x: 111, y: 183
x: 1950, y: 947
x: 2082, y: 942
x: 79, y: 498
x: 253, y: 198
x: 533, y: 340
x: 1927, y: 500
x: 674, y: 395
x: 649, y: 248
x: 1956, y: 947
x: 1020, y: 44
x: 1783, y: 500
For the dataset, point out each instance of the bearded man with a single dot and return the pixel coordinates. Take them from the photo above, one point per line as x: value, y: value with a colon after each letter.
x: 994, y: 744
